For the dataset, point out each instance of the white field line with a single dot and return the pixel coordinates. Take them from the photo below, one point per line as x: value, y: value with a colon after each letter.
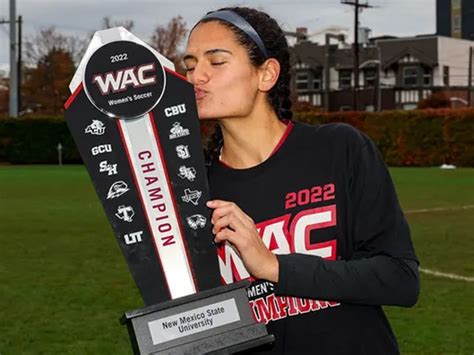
x: 446, y: 275
x: 440, y: 209
x: 434, y: 272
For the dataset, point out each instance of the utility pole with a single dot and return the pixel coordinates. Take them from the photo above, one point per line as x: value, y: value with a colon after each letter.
x: 469, y: 79
x: 13, y: 62
x: 379, y: 81
x: 357, y: 7
x: 20, y: 65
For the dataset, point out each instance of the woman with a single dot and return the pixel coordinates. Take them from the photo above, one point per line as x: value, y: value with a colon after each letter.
x: 310, y: 214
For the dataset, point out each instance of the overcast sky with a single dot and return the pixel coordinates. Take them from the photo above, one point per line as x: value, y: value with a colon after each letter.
x: 81, y: 17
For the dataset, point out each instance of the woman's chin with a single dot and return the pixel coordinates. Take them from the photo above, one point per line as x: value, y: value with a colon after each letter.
x: 203, y: 115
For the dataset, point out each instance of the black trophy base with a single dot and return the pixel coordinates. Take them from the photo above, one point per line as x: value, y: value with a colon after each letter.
x: 216, y: 321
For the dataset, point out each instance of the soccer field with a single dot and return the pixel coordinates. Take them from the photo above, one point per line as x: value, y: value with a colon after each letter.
x: 64, y: 283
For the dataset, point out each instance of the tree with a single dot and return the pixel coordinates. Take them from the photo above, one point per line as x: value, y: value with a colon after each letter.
x: 47, y: 40
x: 4, y: 97
x: 108, y: 23
x: 46, y: 86
x: 4, y: 94
x: 168, y: 39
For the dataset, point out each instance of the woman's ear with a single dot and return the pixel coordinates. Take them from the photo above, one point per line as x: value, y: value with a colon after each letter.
x: 269, y: 73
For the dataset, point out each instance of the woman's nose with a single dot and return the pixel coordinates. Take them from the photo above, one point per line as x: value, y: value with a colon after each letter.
x: 199, y: 75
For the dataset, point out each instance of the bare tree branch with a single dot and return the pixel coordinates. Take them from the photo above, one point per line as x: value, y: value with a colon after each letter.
x: 49, y: 40
x: 168, y: 39
x: 108, y: 23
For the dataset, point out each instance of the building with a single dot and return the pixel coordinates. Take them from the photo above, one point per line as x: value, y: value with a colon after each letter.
x: 394, y: 73
x: 455, y: 18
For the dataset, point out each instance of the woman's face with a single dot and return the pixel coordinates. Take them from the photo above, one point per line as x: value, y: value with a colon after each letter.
x: 225, y: 81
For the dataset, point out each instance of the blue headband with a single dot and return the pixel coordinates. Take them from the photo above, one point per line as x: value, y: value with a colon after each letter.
x: 239, y: 22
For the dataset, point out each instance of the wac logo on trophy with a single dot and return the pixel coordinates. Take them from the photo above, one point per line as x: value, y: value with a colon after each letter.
x: 124, y: 79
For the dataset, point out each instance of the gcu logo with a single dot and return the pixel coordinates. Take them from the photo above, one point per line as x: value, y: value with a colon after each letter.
x: 123, y: 78
x: 104, y: 148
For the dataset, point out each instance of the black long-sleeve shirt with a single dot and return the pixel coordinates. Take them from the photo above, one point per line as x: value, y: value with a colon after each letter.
x: 377, y: 280
x: 324, y: 202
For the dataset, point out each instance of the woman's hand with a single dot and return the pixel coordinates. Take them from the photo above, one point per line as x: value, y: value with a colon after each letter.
x: 232, y: 224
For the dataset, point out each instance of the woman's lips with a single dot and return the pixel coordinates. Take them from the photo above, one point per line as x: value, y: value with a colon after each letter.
x: 200, y: 93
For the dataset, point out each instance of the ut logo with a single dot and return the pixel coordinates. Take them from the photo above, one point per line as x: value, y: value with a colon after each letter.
x: 133, y: 238
x: 123, y: 78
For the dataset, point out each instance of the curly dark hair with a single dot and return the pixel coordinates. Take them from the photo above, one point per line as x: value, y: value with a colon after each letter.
x: 277, y: 47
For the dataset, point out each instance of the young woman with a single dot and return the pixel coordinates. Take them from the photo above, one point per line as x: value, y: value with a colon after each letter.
x: 308, y: 213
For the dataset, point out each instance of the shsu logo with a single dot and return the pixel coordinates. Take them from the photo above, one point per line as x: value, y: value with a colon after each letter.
x: 121, y: 79
x: 110, y: 169
x: 96, y: 128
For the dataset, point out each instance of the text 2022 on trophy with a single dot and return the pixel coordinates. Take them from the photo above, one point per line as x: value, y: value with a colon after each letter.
x: 134, y: 121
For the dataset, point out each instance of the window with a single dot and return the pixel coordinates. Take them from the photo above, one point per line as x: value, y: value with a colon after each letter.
x: 370, y: 77
x: 410, y: 76
x: 446, y: 75
x: 427, y: 76
x: 302, y: 82
x: 303, y: 98
x: 317, y: 83
x: 345, y: 78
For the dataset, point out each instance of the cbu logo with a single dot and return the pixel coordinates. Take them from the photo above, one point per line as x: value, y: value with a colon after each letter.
x: 175, y: 110
x: 123, y: 78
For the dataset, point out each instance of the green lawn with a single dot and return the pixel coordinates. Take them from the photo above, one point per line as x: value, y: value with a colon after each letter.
x: 64, y: 283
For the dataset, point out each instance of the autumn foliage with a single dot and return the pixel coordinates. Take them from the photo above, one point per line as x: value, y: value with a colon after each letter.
x: 404, y: 138
x: 436, y: 100
x: 46, y: 86
x: 412, y: 138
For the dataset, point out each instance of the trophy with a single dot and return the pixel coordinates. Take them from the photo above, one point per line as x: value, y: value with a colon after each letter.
x: 135, y: 123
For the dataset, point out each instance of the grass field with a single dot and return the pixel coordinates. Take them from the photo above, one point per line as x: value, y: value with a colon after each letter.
x: 64, y: 283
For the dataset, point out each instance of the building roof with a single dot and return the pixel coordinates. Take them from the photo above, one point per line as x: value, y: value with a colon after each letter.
x: 392, y: 49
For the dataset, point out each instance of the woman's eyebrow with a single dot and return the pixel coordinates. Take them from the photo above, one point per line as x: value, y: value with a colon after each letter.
x: 208, y: 52
x: 217, y: 50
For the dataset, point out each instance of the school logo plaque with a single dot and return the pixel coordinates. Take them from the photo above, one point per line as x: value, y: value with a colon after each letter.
x: 135, y: 123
